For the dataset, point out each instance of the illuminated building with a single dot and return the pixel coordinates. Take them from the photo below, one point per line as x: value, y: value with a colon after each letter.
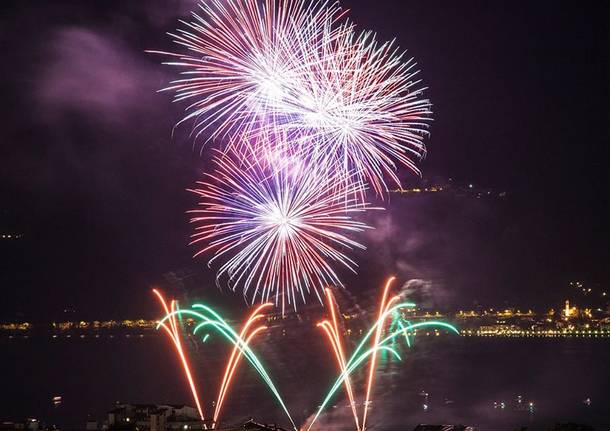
x: 568, y: 311
x: 29, y: 424
x: 155, y: 417
x: 170, y: 417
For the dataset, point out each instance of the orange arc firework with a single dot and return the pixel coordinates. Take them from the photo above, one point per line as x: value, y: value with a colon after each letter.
x: 237, y: 353
x: 332, y: 331
x: 383, y: 308
x: 174, y: 335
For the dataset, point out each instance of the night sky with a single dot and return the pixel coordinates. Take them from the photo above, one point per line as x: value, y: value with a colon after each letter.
x: 95, y: 180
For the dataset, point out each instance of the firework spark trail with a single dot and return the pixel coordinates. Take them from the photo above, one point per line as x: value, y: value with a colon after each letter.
x: 278, y: 233
x: 332, y: 331
x: 398, y: 321
x: 209, y: 317
x: 351, y: 367
x: 388, y: 307
x: 358, y: 358
x: 373, y: 328
x: 232, y: 336
x: 333, y: 334
x: 383, y: 314
x: 236, y: 356
x: 174, y: 335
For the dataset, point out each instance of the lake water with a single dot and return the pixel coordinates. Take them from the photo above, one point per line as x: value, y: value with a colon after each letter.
x: 462, y: 377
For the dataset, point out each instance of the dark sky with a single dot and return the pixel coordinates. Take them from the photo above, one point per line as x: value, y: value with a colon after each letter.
x: 93, y: 177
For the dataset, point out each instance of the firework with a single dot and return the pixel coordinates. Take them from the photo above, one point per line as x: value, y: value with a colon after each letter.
x: 171, y: 328
x: 240, y: 342
x: 239, y: 58
x: 278, y: 233
x: 311, y: 114
x: 290, y: 77
x: 210, y: 318
x: 357, y: 359
x: 331, y: 329
x: 236, y: 355
x: 360, y: 109
x: 388, y: 307
x: 384, y: 306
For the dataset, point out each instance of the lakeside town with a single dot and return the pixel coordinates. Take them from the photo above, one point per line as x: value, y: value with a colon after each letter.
x: 569, y: 320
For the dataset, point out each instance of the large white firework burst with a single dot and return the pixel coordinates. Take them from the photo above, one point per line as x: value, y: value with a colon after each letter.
x: 279, y: 235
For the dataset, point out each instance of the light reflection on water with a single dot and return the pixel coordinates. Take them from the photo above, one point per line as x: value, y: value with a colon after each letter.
x: 444, y: 379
